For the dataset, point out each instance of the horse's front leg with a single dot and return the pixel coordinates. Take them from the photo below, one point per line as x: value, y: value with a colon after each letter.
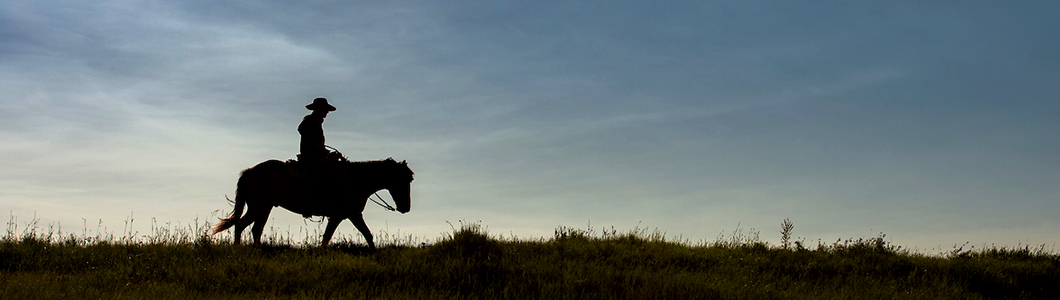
x: 358, y: 221
x: 333, y: 223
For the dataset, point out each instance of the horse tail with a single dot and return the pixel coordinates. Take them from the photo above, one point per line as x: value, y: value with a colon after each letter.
x: 238, y: 204
x: 233, y: 218
x: 250, y: 181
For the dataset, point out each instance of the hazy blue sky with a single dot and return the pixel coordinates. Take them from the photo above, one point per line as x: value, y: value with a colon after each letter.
x: 933, y: 123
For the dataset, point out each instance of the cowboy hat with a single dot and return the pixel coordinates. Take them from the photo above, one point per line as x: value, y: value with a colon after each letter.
x: 320, y: 103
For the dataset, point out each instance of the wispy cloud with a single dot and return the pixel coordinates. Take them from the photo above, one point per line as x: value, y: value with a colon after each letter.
x: 684, y: 116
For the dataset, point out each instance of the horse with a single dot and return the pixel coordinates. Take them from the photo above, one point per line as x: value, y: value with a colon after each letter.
x: 339, y: 196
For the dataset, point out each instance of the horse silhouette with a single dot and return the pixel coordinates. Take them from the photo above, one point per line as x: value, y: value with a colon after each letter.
x: 341, y: 195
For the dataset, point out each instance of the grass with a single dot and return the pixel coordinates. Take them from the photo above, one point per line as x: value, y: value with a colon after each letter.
x: 470, y: 263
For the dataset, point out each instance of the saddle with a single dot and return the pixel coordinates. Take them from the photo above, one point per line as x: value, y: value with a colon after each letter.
x: 317, y: 181
x: 328, y: 168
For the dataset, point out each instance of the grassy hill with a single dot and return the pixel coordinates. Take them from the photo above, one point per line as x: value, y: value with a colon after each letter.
x: 471, y: 264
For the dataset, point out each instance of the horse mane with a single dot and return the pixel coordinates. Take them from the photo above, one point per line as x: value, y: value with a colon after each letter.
x: 384, y: 165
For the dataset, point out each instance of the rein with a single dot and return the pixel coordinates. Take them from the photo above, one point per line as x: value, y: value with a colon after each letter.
x: 384, y: 204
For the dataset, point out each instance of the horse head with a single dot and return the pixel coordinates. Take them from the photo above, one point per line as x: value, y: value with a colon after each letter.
x: 397, y: 179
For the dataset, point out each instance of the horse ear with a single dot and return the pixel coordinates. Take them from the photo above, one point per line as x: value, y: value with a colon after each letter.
x: 404, y: 163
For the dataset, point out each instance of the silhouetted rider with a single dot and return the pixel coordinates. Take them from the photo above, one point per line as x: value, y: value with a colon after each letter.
x: 312, y: 130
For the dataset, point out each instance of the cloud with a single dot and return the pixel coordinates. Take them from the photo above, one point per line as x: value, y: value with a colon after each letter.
x: 691, y: 116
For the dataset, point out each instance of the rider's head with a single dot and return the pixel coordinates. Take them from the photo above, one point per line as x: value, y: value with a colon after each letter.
x: 320, y: 106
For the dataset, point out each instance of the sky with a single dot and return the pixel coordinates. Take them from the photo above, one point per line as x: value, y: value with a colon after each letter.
x: 933, y: 123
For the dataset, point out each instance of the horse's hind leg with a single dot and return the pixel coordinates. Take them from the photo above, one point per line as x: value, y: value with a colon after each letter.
x: 358, y: 221
x: 243, y: 223
x: 260, y: 216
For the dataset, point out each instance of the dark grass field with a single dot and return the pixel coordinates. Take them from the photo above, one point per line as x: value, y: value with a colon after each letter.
x: 470, y: 263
